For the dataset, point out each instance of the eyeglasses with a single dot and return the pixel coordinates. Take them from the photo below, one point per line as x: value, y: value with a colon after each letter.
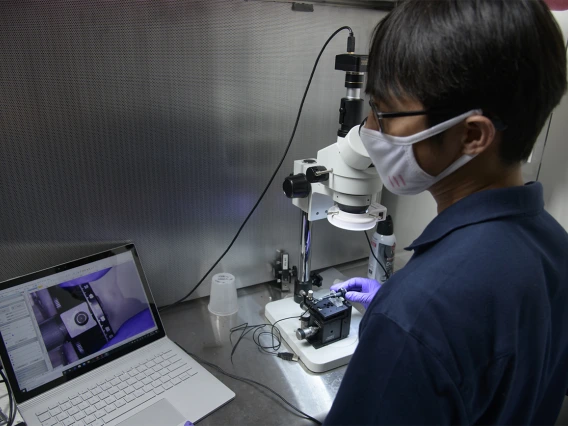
x: 380, y: 115
x: 499, y: 125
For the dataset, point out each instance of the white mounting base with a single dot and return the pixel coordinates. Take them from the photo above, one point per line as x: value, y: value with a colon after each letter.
x: 317, y: 360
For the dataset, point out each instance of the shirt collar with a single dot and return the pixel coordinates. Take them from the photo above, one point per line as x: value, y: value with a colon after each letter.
x: 481, y: 207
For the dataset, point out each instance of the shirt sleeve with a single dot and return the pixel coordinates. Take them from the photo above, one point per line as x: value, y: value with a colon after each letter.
x: 394, y: 379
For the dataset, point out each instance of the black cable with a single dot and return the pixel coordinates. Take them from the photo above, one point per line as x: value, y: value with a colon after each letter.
x: 245, y: 330
x: 163, y: 308
x: 14, y: 411
x: 12, y: 414
x: 251, y: 382
x: 257, y: 333
x: 373, y: 253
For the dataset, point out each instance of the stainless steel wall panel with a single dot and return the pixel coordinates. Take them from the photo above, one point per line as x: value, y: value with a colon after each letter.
x: 160, y: 122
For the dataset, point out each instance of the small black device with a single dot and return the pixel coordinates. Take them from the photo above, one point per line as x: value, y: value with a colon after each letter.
x: 326, y: 320
x: 351, y: 109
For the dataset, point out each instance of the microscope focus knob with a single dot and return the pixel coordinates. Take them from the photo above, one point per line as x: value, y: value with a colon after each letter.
x: 296, y: 186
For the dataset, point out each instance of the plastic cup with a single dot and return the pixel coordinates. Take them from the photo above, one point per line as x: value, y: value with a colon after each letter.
x: 223, y: 299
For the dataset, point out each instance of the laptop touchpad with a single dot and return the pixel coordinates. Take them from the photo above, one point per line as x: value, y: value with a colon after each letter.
x: 160, y: 413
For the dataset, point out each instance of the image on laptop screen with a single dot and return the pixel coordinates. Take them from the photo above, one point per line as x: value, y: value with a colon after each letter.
x: 60, y: 322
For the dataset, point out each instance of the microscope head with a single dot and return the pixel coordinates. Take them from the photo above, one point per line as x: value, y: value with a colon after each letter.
x: 341, y: 185
x: 355, y: 183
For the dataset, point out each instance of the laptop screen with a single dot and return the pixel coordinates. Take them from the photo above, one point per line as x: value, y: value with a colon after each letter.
x: 74, y: 317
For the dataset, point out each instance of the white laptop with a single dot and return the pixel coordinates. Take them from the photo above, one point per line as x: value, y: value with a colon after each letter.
x: 83, y: 344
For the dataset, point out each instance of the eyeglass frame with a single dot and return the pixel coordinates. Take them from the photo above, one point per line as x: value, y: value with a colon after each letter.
x: 499, y: 125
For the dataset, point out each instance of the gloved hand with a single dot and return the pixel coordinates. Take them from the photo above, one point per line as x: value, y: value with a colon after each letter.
x: 188, y: 423
x: 85, y: 279
x: 361, y: 290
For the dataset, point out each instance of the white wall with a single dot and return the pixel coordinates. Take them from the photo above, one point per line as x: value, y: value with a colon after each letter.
x: 554, y: 168
x: 410, y: 214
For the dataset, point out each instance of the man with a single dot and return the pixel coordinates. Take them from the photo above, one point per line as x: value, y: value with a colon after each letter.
x: 474, y: 329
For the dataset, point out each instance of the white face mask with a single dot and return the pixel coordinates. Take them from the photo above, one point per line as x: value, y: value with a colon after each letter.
x: 394, y: 158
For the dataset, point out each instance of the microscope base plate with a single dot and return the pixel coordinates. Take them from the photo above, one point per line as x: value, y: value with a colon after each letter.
x: 316, y: 360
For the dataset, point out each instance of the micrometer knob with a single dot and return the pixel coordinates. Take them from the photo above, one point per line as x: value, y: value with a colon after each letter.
x: 296, y: 186
x: 305, y: 333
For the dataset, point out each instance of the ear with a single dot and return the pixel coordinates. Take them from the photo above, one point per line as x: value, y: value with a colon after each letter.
x: 479, y: 134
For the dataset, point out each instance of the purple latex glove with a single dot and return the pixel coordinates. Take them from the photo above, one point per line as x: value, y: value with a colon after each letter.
x: 361, y: 290
x: 188, y: 423
x: 85, y: 279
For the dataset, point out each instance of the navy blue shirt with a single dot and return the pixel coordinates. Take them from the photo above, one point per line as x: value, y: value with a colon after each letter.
x: 474, y: 329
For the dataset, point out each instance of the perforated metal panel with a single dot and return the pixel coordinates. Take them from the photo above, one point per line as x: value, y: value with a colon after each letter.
x: 160, y: 122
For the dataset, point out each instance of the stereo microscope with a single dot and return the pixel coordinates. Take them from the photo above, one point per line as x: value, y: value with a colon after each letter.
x: 342, y: 185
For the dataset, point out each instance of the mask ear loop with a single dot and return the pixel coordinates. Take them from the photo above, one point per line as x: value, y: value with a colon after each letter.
x: 362, y: 125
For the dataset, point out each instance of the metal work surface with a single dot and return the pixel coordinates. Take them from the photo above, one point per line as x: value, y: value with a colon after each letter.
x: 160, y: 122
x: 193, y: 327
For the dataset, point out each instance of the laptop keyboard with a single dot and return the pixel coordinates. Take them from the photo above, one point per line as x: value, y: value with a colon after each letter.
x: 102, y: 402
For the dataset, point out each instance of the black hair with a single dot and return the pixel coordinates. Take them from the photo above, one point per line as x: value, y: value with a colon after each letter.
x: 505, y: 57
